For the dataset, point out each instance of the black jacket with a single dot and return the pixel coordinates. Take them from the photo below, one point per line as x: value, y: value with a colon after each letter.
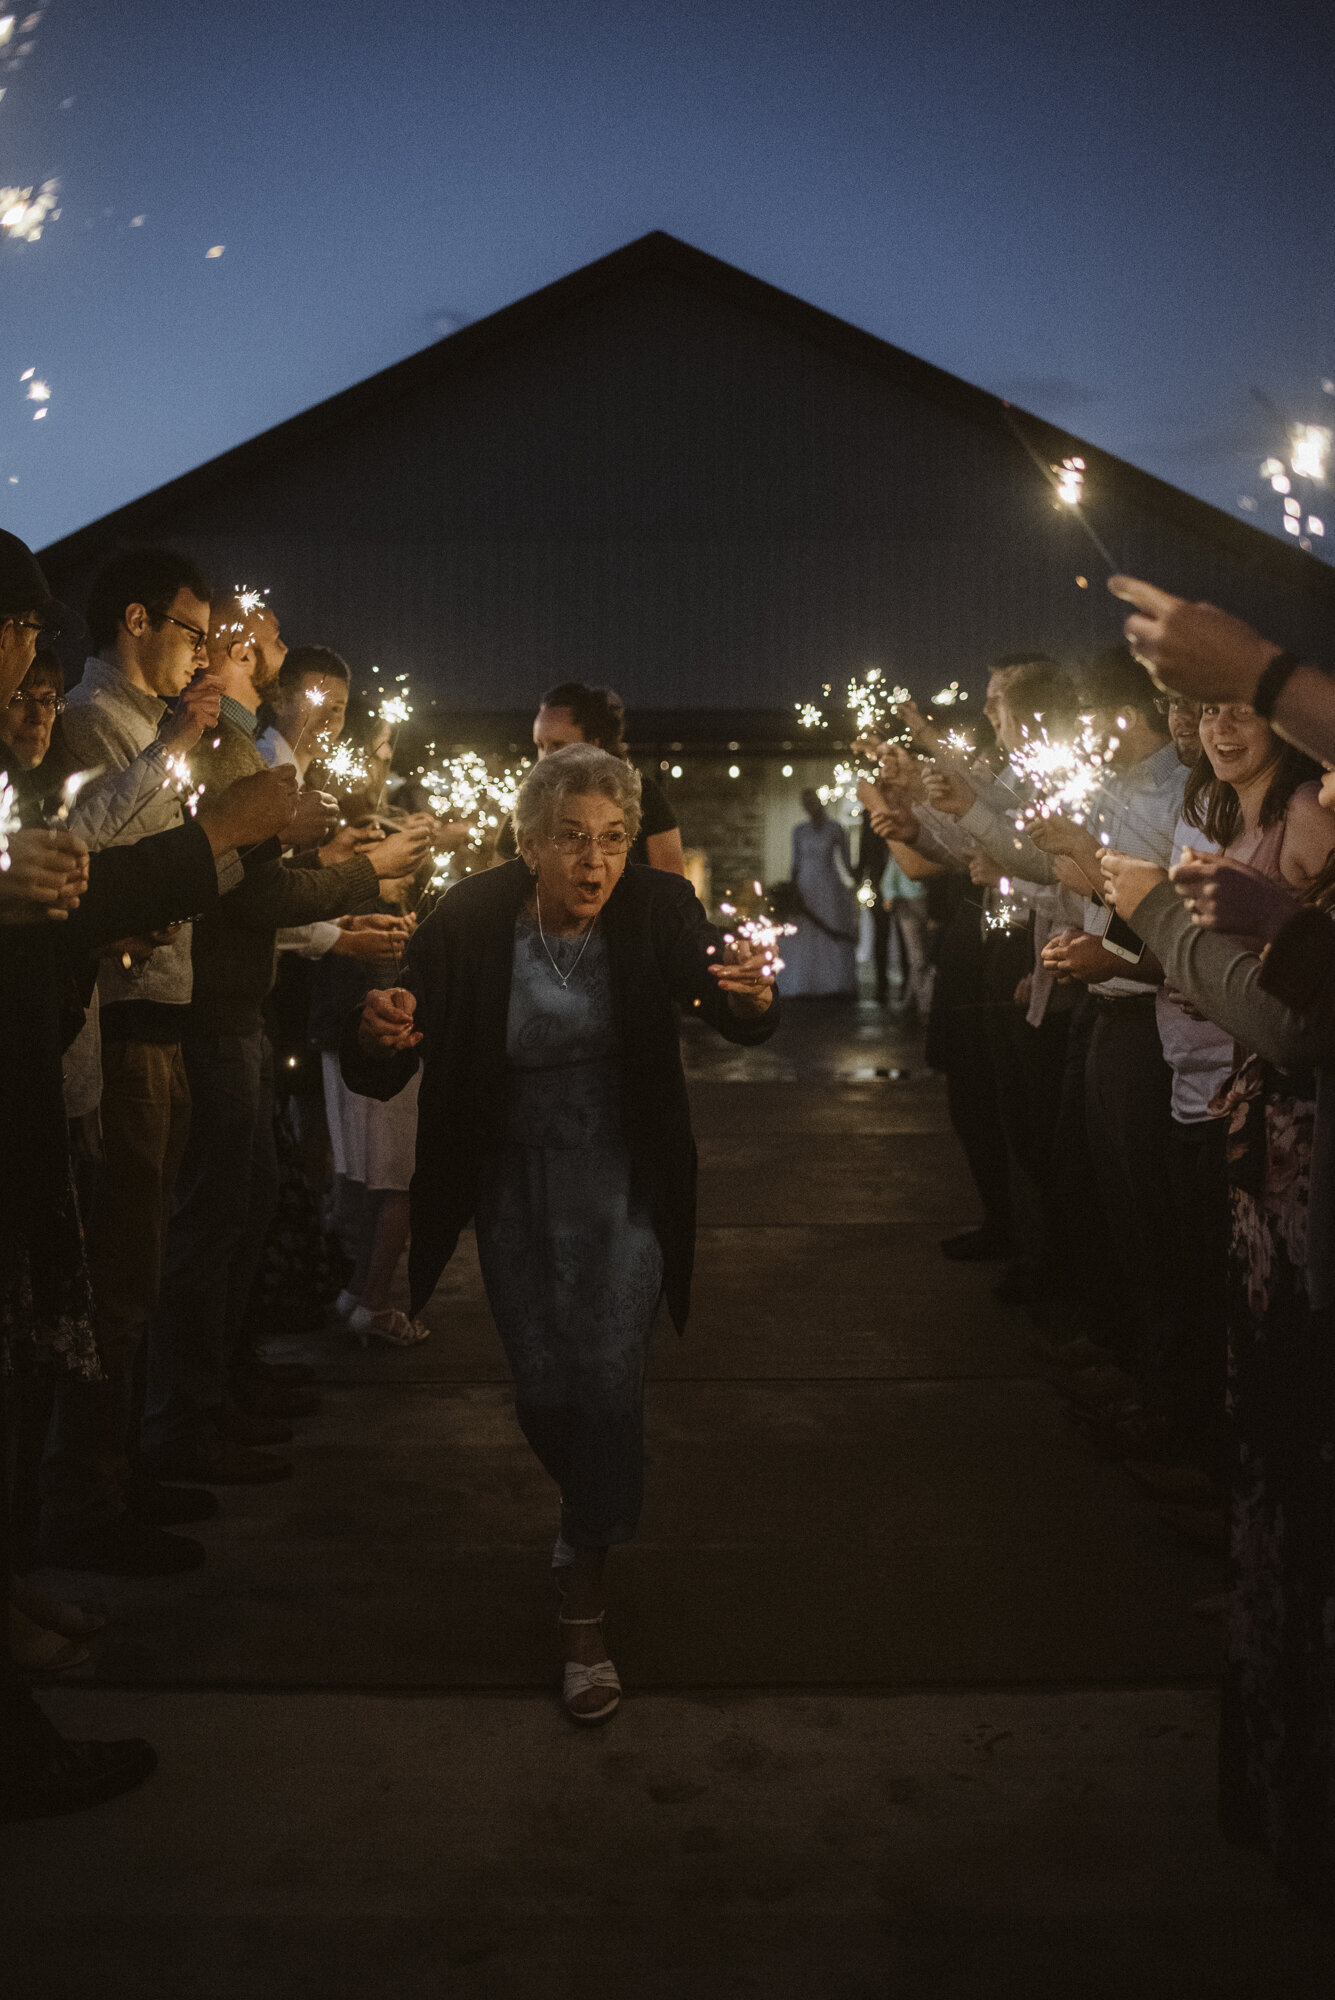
x: 459, y: 966
x: 42, y: 985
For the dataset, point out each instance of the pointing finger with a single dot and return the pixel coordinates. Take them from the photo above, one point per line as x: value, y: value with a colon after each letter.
x: 1145, y: 596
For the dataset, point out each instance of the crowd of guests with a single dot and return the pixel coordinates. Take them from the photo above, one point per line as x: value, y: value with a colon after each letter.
x: 1133, y: 1005
x: 1133, y: 1009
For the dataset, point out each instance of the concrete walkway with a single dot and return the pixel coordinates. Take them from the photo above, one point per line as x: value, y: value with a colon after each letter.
x: 917, y: 1703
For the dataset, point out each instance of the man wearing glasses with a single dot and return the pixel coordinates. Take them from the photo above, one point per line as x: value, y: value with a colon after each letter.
x: 140, y: 708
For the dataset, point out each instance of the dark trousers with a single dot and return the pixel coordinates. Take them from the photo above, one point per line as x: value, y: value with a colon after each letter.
x: 975, y: 1117
x: 1196, y: 1371
x: 220, y: 1213
x: 1029, y: 1064
x: 1129, y: 1122
x: 144, y: 1123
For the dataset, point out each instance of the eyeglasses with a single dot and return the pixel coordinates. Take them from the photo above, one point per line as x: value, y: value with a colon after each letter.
x: 579, y: 843
x: 40, y: 704
x: 198, y: 640
x: 27, y: 624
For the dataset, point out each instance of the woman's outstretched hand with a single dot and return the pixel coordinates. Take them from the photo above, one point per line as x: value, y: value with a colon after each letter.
x: 387, y: 1021
x: 748, y: 980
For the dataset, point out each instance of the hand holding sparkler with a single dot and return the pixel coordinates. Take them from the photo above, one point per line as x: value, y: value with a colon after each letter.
x: 386, y: 1026
x: 1076, y: 956
x: 250, y: 811
x: 1224, y: 895
x: 1195, y: 649
x: 348, y: 843
x: 196, y: 709
x: 44, y: 874
x: 749, y: 964
x: 922, y: 732
x: 374, y: 939
x: 403, y: 851
x: 315, y: 818
x: 1127, y: 881
x: 948, y: 790
x: 985, y: 873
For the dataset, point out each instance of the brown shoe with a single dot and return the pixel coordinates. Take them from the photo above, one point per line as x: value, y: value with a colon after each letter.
x: 292, y: 1374
x: 259, y: 1397
x: 216, y: 1461
x: 240, y: 1428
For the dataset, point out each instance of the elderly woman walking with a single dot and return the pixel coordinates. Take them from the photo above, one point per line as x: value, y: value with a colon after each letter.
x: 540, y: 998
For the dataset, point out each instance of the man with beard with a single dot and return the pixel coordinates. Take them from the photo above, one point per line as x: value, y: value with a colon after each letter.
x: 225, y: 1191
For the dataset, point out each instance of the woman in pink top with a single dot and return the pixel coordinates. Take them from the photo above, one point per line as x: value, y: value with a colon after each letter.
x: 1257, y: 797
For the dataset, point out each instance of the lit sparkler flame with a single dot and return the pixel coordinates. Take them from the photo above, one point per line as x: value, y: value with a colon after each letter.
x: 1004, y: 914
x: 395, y: 710
x: 24, y: 212
x: 946, y: 697
x: 10, y: 822
x: 70, y: 791
x: 809, y: 716
x: 1310, y: 450
x: 1070, y: 481
x: 959, y: 741
x: 347, y: 766
x: 1063, y: 776
x: 464, y: 787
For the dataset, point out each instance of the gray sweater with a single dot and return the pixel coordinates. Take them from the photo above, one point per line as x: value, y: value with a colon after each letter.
x: 112, y: 724
x: 1227, y: 983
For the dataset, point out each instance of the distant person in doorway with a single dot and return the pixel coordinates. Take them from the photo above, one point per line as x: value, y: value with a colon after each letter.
x: 574, y: 713
x: 541, y: 999
x: 820, y: 962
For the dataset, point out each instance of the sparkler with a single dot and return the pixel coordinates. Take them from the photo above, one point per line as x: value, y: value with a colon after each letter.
x: 947, y: 696
x: 10, y: 822
x: 24, y: 212
x: 809, y: 716
x: 1064, y: 776
x: 465, y: 788
x: 395, y: 710
x: 314, y: 699
x: 70, y: 791
x: 347, y: 766
x: 759, y: 933
x: 1004, y: 914
x: 1067, y: 481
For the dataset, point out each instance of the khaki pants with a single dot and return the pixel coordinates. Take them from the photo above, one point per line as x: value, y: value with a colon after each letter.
x: 145, y: 1123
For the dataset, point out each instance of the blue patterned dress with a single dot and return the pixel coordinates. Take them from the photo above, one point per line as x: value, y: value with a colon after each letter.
x: 572, y: 1267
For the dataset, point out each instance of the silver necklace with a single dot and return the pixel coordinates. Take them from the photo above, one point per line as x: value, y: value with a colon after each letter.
x: 564, y: 977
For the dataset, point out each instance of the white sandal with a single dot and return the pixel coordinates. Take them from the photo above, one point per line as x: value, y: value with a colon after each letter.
x: 580, y: 1679
x: 390, y: 1325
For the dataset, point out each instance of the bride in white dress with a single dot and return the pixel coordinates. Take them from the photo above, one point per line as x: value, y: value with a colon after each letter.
x: 820, y: 962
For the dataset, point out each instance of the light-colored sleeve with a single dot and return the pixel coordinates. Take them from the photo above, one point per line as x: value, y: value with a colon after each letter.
x: 108, y: 807
x: 1012, y: 851
x: 309, y: 940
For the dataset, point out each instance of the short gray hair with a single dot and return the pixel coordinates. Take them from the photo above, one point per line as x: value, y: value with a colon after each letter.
x: 574, y: 771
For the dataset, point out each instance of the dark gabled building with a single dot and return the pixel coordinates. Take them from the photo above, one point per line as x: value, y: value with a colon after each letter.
x: 664, y: 474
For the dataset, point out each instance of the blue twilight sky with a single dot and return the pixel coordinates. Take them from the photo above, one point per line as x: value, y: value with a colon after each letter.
x: 1119, y: 216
